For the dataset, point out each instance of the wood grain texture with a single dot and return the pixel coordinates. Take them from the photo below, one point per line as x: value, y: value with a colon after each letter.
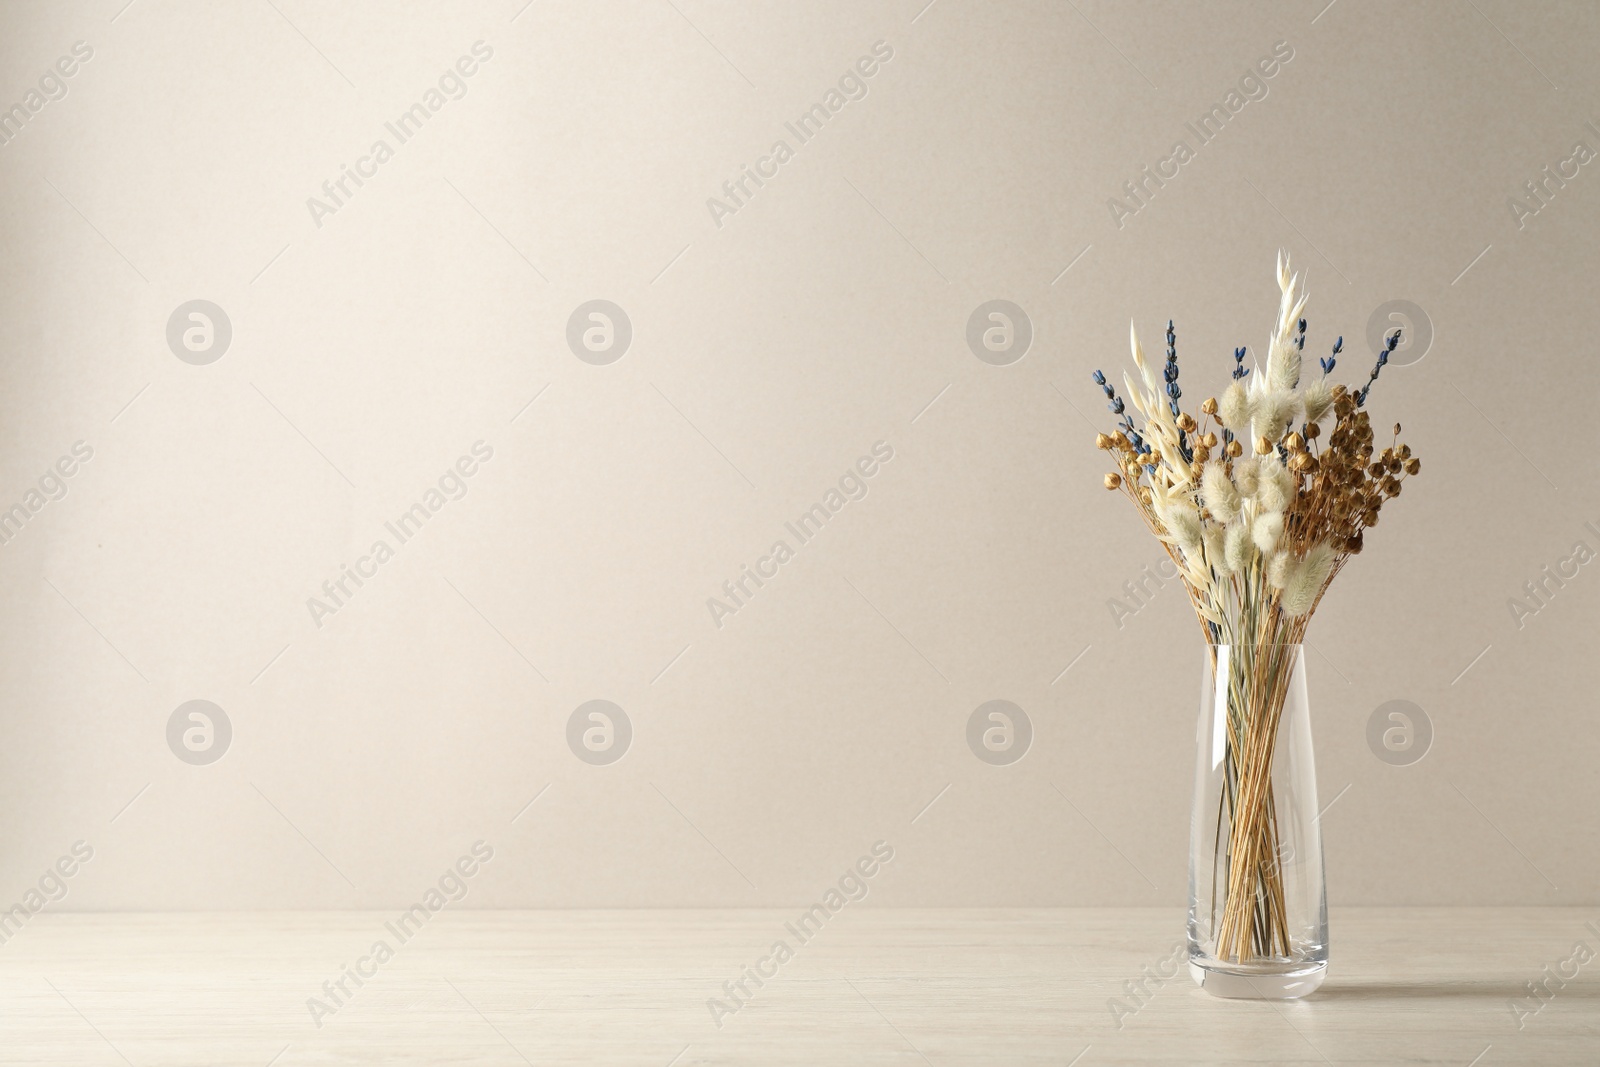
x: 872, y: 987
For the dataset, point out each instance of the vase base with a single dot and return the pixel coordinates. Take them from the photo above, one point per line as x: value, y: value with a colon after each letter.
x: 1253, y: 984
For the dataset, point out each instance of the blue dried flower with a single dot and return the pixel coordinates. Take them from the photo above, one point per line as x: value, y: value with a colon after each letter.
x: 1328, y: 364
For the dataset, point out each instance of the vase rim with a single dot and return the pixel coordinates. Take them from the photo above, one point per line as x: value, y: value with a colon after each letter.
x: 1256, y: 644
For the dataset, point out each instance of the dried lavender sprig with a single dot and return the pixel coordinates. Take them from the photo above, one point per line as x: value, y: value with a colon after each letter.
x: 1170, y: 373
x: 1328, y: 364
x: 1383, y: 359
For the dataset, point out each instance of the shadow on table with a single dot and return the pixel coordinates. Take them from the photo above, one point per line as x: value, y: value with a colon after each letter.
x: 1432, y: 989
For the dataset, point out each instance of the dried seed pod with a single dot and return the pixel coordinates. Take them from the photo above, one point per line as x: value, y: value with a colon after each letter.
x: 1209, y: 440
x: 1413, y: 466
x: 1405, y: 451
x: 1263, y: 445
x: 1313, y: 431
x: 1113, y: 481
x: 1294, y: 443
x: 1210, y: 406
x: 1370, y: 517
x: 1235, y: 449
x: 1145, y: 496
x: 1186, y: 422
x: 1101, y: 441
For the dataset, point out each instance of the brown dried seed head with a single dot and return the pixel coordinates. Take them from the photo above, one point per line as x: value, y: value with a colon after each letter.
x: 1313, y: 431
x: 1413, y: 466
x: 1102, y: 441
x: 1263, y: 445
x: 1405, y: 451
x: 1113, y: 481
x: 1186, y: 422
x: 1235, y: 449
x: 1294, y: 442
x: 1210, y: 406
x: 1397, y: 429
x: 1145, y: 496
x: 1209, y: 440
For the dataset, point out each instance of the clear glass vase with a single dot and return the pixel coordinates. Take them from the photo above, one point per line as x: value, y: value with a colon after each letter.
x: 1258, y: 912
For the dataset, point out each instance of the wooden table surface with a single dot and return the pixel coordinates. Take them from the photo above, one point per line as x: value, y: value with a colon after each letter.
x: 873, y: 986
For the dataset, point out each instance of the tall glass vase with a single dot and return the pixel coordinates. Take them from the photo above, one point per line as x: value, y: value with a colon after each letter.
x: 1258, y: 913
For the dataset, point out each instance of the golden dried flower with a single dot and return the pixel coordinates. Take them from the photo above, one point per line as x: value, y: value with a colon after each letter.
x: 1294, y: 443
x: 1113, y: 481
x: 1210, y: 406
x: 1101, y: 441
x: 1186, y: 422
x: 1263, y: 446
x: 1235, y: 449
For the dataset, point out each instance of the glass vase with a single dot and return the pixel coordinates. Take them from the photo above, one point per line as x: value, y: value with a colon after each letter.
x: 1258, y: 913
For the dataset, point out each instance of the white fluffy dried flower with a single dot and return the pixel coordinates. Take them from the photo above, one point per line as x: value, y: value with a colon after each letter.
x: 1247, y: 476
x: 1266, y: 530
x: 1305, y: 580
x: 1218, y: 493
x: 1318, y: 399
x: 1283, y: 364
x: 1216, y: 550
x: 1276, y: 489
x: 1183, y: 522
x: 1235, y: 408
x: 1236, y: 546
x: 1278, y: 569
x: 1272, y: 413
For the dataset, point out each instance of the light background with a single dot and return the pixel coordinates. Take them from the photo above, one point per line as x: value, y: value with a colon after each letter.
x: 768, y: 354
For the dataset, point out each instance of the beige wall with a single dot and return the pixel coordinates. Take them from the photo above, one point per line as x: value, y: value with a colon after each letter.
x: 771, y: 348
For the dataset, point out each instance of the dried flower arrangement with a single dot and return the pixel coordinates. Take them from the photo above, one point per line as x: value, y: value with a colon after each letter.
x: 1257, y: 538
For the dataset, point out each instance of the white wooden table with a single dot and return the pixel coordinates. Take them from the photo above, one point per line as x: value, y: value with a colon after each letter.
x: 874, y: 986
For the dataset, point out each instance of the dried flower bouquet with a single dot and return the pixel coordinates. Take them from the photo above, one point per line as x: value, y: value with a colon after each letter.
x: 1259, y: 518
